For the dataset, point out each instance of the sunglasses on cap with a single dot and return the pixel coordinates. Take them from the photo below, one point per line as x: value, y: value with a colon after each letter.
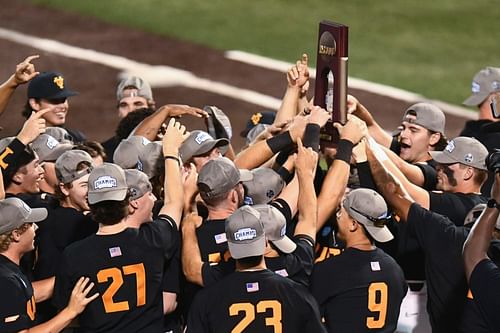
x: 379, y: 222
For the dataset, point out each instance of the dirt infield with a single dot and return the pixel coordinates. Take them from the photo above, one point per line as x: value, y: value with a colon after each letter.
x: 93, y: 111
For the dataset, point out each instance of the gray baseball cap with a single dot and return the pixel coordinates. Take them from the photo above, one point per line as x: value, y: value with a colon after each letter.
x: 59, y: 133
x: 275, y: 227
x: 463, y: 150
x: 245, y: 233
x: 199, y: 143
x: 426, y: 115
x: 369, y: 208
x: 66, y: 165
x: 255, y: 132
x: 138, y: 183
x: 107, y: 182
x: 485, y: 82
x: 219, y: 176
x: 127, y: 152
x: 265, y: 185
x: 48, y: 148
x: 149, y: 156
x: 143, y: 88
x: 14, y: 213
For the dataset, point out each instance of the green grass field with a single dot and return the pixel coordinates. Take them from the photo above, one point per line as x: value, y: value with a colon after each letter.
x: 432, y: 47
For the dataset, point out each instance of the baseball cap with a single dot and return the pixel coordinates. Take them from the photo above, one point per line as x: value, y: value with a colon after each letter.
x: 66, y: 165
x: 143, y: 88
x: 14, y: 213
x: 463, y: 150
x: 369, y: 208
x: 59, y: 133
x: 127, y: 152
x: 254, y: 132
x: 149, y: 157
x: 16, y: 158
x: 275, y: 227
x: 49, y: 85
x: 265, y: 185
x: 107, y: 182
x: 219, y: 176
x: 138, y: 183
x: 245, y: 233
x: 486, y: 81
x: 48, y: 148
x: 426, y: 115
x: 263, y: 117
x: 199, y: 143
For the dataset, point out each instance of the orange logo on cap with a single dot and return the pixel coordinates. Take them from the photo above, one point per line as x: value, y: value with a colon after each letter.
x: 256, y: 118
x: 59, y: 81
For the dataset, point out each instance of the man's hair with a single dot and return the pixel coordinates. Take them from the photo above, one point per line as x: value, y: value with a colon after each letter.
x: 58, y: 194
x: 7, y: 238
x: 480, y: 176
x: 131, y: 120
x: 441, y: 144
x: 249, y: 262
x: 213, y: 201
x: 93, y: 148
x: 110, y: 212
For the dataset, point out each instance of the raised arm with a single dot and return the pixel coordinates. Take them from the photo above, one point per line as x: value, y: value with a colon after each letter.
x: 411, y: 171
x: 305, y: 167
x: 335, y: 182
x: 150, y: 126
x: 478, y: 241
x: 174, y: 191
x: 25, y: 71
x: 191, y: 256
x: 389, y: 187
x: 375, y: 130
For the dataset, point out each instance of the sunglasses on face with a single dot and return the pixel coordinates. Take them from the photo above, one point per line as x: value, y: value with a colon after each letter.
x: 379, y: 222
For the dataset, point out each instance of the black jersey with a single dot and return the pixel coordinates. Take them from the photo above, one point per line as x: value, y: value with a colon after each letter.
x: 17, y: 305
x: 359, y: 291
x: 127, y: 269
x: 254, y: 301
x: 485, y: 286
x: 447, y: 290
x: 455, y: 206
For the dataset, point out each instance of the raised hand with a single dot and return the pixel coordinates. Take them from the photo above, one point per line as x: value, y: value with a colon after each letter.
x: 318, y: 115
x: 354, y: 129
x: 173, y: 138
x: 305, y: 163
x: 33, y: 127
x: 25, y: 70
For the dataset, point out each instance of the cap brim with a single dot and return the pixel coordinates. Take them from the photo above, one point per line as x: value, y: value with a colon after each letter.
x: 36, y: 215
x: 58, y: 151
x: 245, y: 175
x: 285, y: 245
x: 245, y: 250
x: 112, y: 195
x: 381, y: 235
x: 442, y: 157
x: 62, y: 94
x: 475, y: 99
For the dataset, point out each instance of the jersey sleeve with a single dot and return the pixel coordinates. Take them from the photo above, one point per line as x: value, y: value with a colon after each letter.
x: 13, y: 314
x: 485, y: 287
x: 172, y: 275
x: 430, y: 176
x: 197, y: 319
x: 161, y: 233
x: 63, y: 285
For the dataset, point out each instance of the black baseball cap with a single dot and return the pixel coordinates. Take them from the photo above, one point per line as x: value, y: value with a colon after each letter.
x: 49, y: 85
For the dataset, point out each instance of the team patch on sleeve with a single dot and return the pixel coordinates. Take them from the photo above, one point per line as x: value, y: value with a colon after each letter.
x: 220, y: 238
x: 252, y: 287
x: 115, y: 251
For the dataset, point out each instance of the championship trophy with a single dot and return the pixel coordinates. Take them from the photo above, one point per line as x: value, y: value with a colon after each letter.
x: 330, y: 91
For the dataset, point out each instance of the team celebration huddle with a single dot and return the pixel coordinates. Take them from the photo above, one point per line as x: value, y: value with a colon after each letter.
x: 161, y: 229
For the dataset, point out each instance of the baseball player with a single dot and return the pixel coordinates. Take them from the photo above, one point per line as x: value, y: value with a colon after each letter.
x: 253, y: 298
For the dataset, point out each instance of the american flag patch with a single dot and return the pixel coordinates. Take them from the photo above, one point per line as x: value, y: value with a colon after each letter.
x: 252, y: 287
x: 115, y: 251
x: 375, y: 265
x: 220, y: 238
x: 282, y: 272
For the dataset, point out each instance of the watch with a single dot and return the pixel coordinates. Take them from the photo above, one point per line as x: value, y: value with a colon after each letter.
x: 493, y: 204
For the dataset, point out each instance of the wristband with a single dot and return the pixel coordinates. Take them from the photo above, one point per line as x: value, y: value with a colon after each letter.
x: 280, y: 141
x: 493, y: 204
x: 344, y: 151
x: 283, y: 155
x: 170, y: 157
x: 286, y: 175
x: 311, y: 137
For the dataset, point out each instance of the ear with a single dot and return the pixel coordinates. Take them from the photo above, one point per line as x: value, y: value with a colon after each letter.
x: 34, y: 104
x: 18, y: 177
x: 434, y: 138
x: 16, y: 236
x: 469, y: 173
x: 353, y: 225
x: 133, y: 204
x: 63, y: 189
